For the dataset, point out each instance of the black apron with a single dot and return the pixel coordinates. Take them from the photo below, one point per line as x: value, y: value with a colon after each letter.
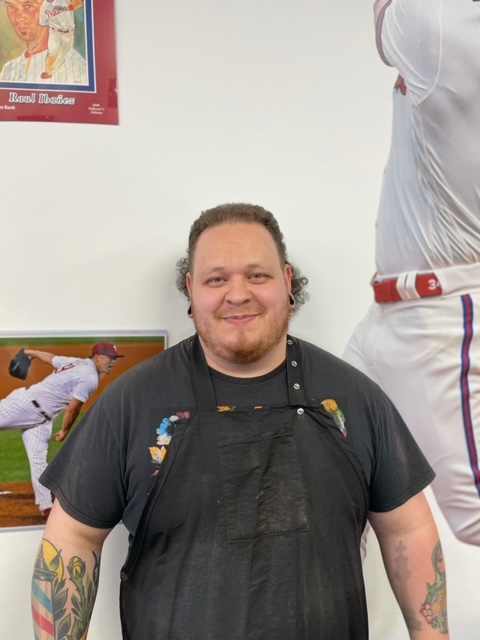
x: 252, y: 528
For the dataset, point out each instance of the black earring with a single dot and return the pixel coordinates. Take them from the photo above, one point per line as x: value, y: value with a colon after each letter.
x: 189, y: 311
x: 292, y: 300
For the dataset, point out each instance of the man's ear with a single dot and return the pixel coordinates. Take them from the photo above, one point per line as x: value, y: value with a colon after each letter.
x: 288, y: 276
x: 188, y: 282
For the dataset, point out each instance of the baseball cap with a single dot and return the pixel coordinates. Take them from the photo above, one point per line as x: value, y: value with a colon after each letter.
x: 105, y: 349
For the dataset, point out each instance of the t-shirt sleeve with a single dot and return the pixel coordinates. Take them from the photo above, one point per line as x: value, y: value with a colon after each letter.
x: 59, y: 362
x: 85, y: 387
x: 400, y: 469
x: 86, y: 474
x: 408, y: 38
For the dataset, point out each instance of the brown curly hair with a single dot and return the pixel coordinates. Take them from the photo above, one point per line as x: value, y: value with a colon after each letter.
x: 240, y: 212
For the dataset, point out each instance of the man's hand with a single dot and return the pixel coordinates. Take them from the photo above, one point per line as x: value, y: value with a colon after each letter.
x: 61, y: 435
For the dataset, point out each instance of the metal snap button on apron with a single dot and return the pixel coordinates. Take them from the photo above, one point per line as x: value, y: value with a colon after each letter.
x: 300, y: 411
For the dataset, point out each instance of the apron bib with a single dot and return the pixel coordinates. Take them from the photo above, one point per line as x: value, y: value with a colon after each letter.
x: 252, y: 528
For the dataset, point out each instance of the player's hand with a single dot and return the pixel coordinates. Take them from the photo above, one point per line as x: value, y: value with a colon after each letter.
x: 61, y: 435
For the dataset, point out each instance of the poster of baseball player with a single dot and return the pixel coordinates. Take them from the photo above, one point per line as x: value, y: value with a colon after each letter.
x: 52, y: 69
x: 46, y: 384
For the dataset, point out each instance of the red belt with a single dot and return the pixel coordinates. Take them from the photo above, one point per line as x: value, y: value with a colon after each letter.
x: 426, y: 285
x: 61, y: 30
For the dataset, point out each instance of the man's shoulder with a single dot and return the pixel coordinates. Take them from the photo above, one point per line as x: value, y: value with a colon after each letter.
x: 327, y: 368
x: 163, y: 369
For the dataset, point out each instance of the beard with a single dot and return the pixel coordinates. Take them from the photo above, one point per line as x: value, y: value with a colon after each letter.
x: 244, y: 346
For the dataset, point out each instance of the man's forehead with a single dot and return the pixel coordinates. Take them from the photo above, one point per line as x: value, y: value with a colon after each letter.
x: 22, y: 3
x: 232, y: 249
x: 233, y: 227
x: 251, y: 235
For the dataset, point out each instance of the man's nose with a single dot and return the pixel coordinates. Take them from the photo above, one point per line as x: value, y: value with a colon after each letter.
x: 239, y: 291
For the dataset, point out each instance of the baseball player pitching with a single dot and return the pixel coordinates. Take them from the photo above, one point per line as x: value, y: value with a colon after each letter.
x: 43, y: 53
x: 420, y: 340
x: 33, y: 409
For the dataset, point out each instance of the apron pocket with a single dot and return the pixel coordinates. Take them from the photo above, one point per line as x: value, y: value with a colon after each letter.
x: 262, y: 487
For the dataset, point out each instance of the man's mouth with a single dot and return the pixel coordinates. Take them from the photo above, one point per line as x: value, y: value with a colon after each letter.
x: 240, y: 319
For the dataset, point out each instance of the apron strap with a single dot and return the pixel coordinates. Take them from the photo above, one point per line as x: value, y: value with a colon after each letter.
x: 201, y: 379
x: 296, y: 387
x: 203, y: 385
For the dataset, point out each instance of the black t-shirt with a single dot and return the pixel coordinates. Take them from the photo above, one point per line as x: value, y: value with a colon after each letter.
x: 104, y: 471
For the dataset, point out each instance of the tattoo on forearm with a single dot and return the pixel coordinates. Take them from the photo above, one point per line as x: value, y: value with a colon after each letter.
x: 434, y: 609
x: 402, y: 574
x: 54, y: 593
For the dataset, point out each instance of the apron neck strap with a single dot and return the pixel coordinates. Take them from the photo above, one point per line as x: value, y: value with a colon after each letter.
x: 202, y: 381
x: 203, y: 385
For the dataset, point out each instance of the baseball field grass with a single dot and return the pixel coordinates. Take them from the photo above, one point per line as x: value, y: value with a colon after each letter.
x: 13, y: 458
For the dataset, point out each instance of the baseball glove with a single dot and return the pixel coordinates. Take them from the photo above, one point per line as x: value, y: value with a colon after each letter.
x: 20, y: 365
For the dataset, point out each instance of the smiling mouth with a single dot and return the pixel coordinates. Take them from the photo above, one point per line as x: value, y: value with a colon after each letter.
x: 243, y: 319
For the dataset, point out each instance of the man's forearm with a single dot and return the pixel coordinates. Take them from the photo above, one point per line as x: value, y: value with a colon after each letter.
x: 71, y: 414
x: 64, y: 588
x: 68, y: 420
x: 419, y: 584
x: 41, y: 355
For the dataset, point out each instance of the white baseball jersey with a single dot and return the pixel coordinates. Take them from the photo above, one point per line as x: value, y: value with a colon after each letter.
x: 72, y: 378
x: 28, y: 406
x: 424, y: 351
x: 34, y: 408
x: 28, y: 69
x: 55, y: 14
x: 429, y: 213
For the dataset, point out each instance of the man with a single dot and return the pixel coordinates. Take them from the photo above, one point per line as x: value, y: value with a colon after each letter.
x: 57, y: 15
x: 33, y: 409
x: 24, y: 15
x: 420, y: 339
x: 244, y: 463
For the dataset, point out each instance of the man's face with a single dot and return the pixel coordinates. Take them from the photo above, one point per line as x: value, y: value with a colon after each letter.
x: 239, y: 294
x: 24, y: 16
x: 104, y: 364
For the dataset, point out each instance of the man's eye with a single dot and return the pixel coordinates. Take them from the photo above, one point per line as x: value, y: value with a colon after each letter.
x: 216, y: 280
x: 258, y: 276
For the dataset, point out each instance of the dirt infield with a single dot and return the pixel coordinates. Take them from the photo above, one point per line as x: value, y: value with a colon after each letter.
x: 17, y: 506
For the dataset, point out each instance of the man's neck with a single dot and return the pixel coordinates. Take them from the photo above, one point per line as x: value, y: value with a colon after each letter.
x: 264, y: 365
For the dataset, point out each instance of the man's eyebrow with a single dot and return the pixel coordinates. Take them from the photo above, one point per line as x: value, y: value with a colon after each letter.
x: 247, y: 267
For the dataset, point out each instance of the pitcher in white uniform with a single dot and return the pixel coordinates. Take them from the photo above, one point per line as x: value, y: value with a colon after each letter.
x: 34, y: 408
x: 420, y: 340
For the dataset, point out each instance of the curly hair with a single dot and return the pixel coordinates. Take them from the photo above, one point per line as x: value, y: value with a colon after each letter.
x: 240, y: 212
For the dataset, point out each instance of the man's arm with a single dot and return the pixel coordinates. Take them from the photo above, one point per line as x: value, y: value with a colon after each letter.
x: 379, y: 9
x: 413, y: 559
x: 65, y: 577
x: 41, y: 355
x: 69, y: 417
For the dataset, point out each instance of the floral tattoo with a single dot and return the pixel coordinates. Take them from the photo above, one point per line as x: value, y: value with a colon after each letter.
x: 434, y: 609
x: 50, y: 595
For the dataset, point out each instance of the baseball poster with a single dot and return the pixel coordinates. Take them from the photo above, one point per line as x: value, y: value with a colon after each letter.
x: 58, y: 61
x: 45, y: 377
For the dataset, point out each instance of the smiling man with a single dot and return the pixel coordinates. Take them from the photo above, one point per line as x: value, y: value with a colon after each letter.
x: 240, y: 304
x: 245, y: 463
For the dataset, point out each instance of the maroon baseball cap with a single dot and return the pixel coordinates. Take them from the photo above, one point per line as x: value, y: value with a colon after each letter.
x: 105, y: 349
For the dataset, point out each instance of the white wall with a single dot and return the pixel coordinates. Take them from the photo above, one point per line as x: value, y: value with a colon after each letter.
x: 280, y: 103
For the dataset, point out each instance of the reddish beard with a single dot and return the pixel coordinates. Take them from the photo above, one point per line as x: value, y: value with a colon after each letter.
x: 245, y: 346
